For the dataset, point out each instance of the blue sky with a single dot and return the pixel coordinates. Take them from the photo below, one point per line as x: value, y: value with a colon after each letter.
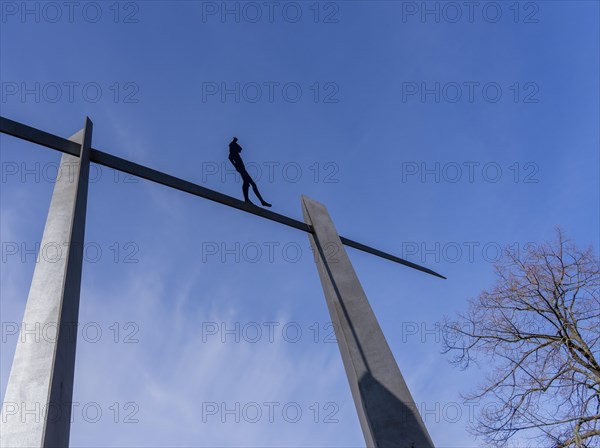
x: 442, y: 180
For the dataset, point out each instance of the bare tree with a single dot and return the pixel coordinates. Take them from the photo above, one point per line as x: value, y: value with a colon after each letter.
x: 538, y: 331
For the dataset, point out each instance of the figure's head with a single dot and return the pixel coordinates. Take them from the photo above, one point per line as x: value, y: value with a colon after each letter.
x: 234, y: 139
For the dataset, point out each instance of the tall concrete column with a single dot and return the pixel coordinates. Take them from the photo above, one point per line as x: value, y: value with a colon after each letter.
x: 37, y: 405
x: 386, y: 410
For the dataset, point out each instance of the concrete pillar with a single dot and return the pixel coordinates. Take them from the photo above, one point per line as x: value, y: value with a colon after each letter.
x: 386, y: 410
x: 37, y: 405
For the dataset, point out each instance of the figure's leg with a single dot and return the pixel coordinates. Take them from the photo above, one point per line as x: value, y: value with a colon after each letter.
x: 245, y: 188
x: 257, y: 193
x: 255, y: 189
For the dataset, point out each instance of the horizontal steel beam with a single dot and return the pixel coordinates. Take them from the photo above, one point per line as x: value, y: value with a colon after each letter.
x: 379, y: 253
x: 64, y: 145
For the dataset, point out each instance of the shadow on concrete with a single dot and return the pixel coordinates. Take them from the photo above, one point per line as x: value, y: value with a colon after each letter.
x: 392, y: 422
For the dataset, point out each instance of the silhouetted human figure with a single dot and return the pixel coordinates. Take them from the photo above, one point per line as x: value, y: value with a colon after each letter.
x: 236, y: 161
